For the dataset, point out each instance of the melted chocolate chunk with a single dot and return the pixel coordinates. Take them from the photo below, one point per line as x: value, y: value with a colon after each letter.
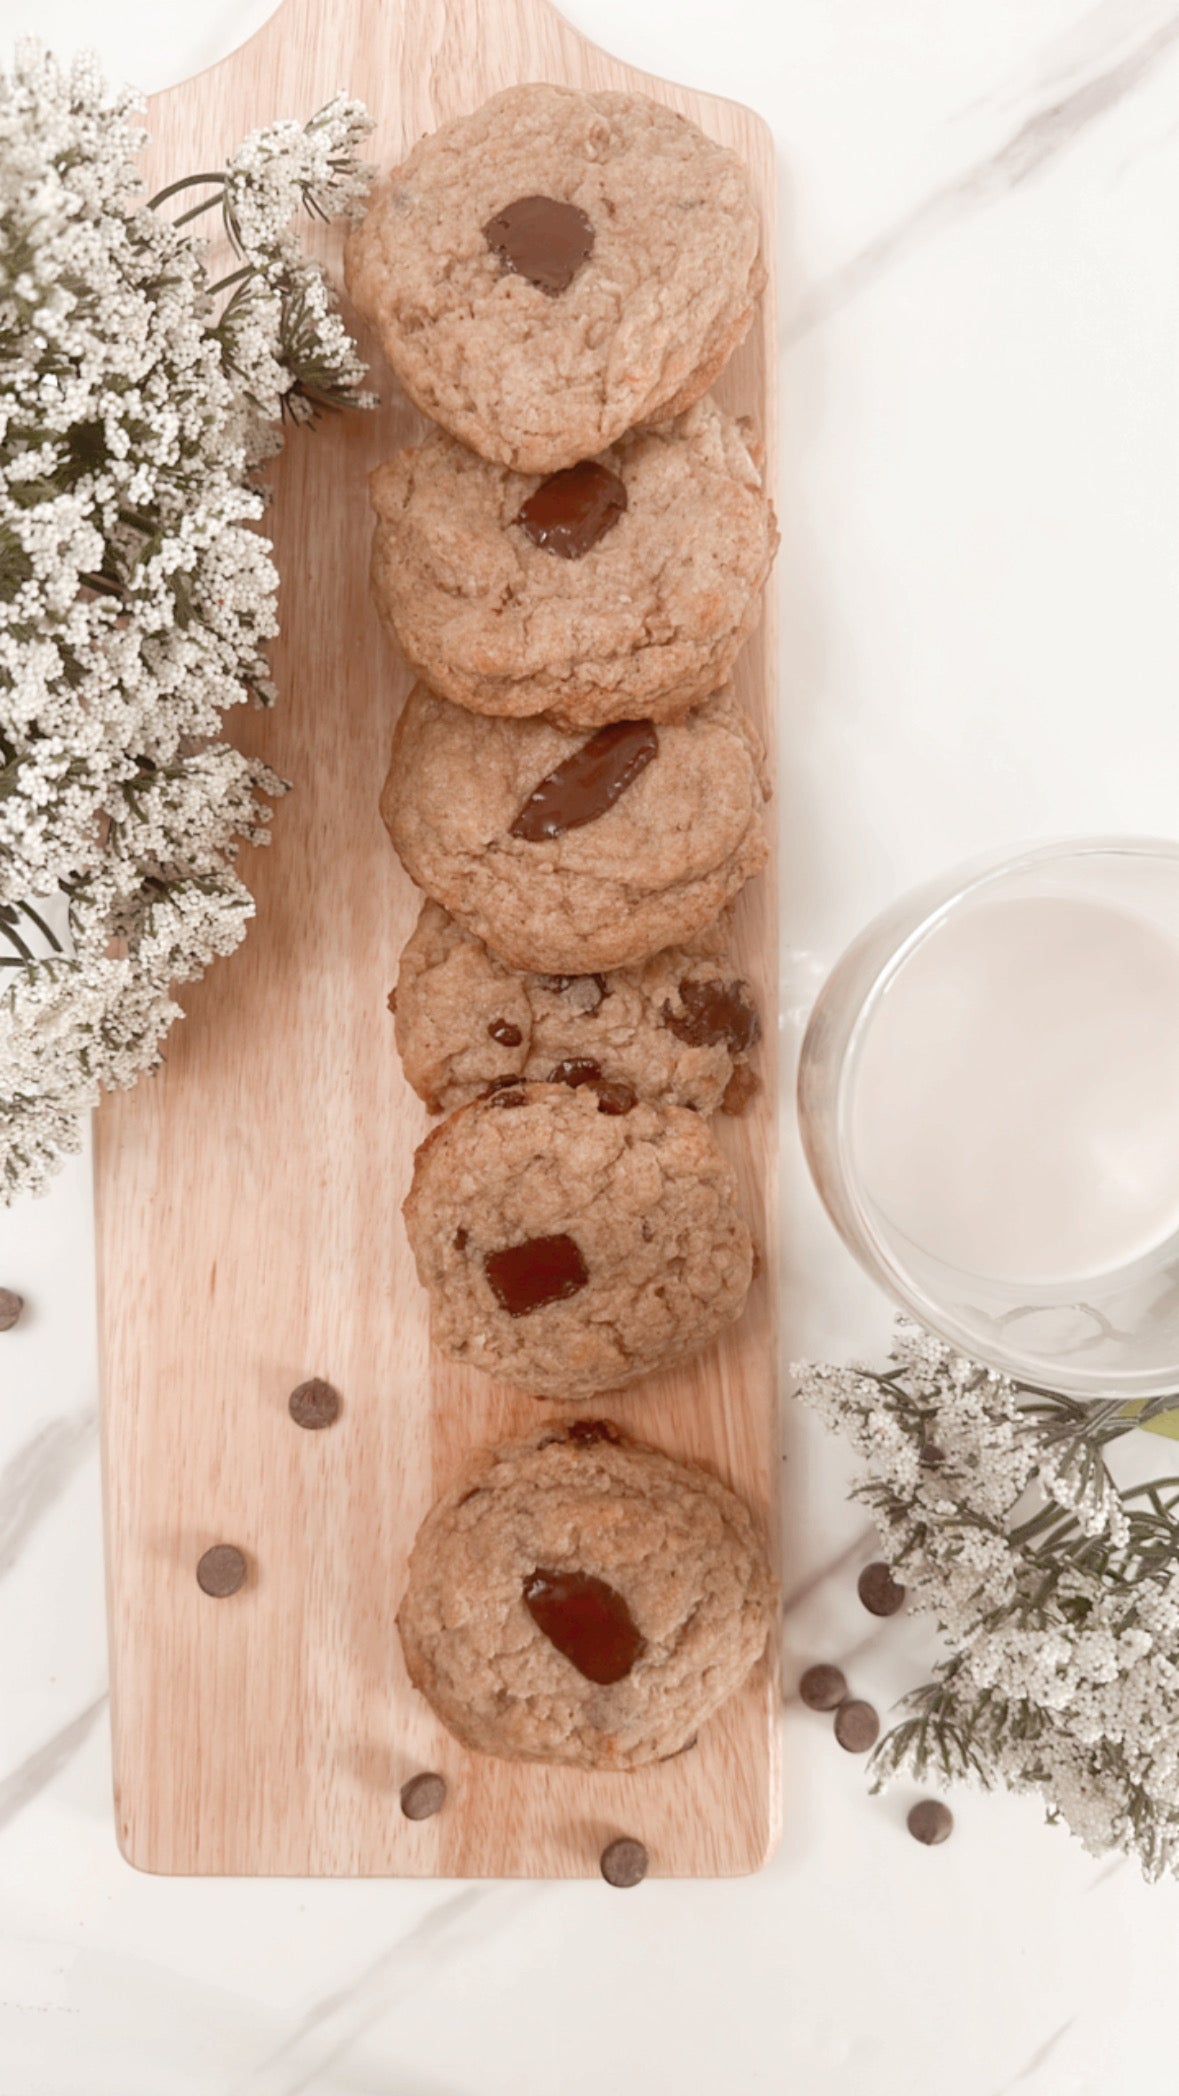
x: 505, y: 1033
x: 571, y: 510
x: 593, y: 1430
x: 543, y: 239
x: 616, y: 1098
x: 714, y: 1012
x: 740, y: 1091
x: 587, y: 1621
x: 591, y: 988
x: 542, y: 1270
x: 587, y: 783
x: 575, y: 1070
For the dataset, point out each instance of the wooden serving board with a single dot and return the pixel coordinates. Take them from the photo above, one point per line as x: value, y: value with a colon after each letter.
x: 249, y: 1196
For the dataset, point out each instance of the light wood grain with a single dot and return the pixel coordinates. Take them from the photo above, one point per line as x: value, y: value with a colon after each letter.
x: 248, y: 1197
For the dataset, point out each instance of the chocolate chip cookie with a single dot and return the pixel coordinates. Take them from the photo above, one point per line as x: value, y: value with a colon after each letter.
x: 582, y: 1598
x: 556, y: 267
x: 569, y: 854
x: 572, y: 1240
x: 672, y: 1030
x: 624, y: 585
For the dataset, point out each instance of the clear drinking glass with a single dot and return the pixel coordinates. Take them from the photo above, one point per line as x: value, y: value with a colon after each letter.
x: 989, y: 1104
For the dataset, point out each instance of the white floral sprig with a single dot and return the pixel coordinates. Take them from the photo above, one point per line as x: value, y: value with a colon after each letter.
x: 1056, y: 1592
x: 137, y: 596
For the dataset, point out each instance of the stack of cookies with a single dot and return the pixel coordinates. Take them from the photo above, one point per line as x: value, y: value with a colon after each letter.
x: 570, y: 561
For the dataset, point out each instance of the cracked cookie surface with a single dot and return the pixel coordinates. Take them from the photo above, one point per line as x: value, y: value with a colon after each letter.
x: 570, y: 1248
x: 584, y: 1505
x: 674, y: 1028
x: 647, y: 621
x: 533, y: 377
x: 654, y: 869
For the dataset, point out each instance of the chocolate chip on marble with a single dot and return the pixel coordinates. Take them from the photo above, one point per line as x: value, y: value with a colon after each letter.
x: 314, y: 1404
x: 857, y: 1726
x: 221, y: 1571
x: 823, y: 1688
x: 423, y: 1795
x: 624, y: 1863
x: 880, y: 1593
x: 11, y: 1305
x: 930, y: 1822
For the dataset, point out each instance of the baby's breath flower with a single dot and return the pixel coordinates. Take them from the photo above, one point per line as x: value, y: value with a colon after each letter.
x: 137, y: 598
x: 1057, y: 1594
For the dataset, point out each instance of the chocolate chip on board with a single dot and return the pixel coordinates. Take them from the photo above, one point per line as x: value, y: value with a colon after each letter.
x: 221, y: 1571
x: 423, y: 1795
x: 314, y: 1404
x: 624, y: 1863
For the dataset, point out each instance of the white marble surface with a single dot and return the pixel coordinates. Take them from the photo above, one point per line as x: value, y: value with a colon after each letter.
x: 981, y: 633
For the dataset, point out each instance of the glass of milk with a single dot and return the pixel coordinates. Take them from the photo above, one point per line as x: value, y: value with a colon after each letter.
x: 989, y: 1103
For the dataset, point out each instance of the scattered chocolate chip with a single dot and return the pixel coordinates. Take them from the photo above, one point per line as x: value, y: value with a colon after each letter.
x: 221, y: 1571
x: 740, y: 1091
x: 505, y: 1092
x: 571, y: 510
x: 823, y: 1688
x: 11, y: 1305
x: 543, y: 239
x: 593, y: 1430
x: 624, y: 1863
x: 932, y: 1457
x: 314, y: 1404
x: 575, y: 1070
x: 505, y: 1033
x: 523, y: 1277
x: 930, y: 1822
x: 879, y: 1591
x: 587, y: 1620
x: 461, y: 1239
x: 423, y: 1795
x: 616, y: 1098
x: 857, y: 1726
x: 714, y: 1012
x: 588, y: 782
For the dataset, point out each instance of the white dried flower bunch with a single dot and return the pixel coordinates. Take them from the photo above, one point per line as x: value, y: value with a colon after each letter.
x: 1057, y: 1593
x: 137, y: 400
